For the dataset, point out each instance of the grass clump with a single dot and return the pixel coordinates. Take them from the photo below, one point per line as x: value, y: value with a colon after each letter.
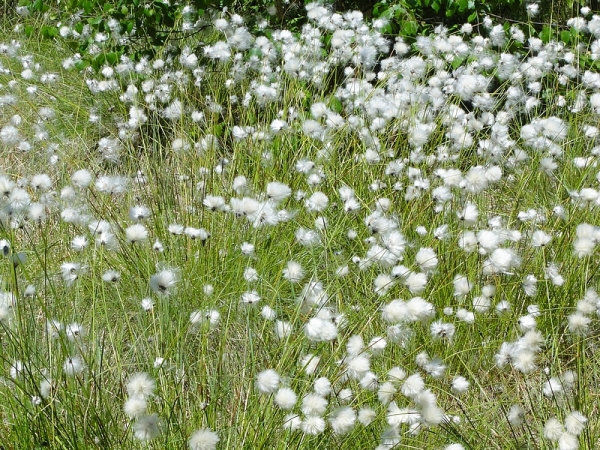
x: 287, y: 241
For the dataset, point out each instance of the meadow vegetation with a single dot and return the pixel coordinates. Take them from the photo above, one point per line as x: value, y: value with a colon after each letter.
x: 319, y: 238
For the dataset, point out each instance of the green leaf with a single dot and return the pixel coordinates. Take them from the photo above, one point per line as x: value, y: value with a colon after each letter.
x: 74, y: 46
x: 217, y: 130
x: 129, y: 26
x: 456, y: 62
x: 335, y: 105
x: 158, y: 39
x: 565, y: 36
x: 87, y: 7
x: 28, y: 30
x: 112, y: 57
x: 546, y: 34
x: 255, y: 52
x: 574, y: 34
x: 98, y: 62
x: 389, y: 29
x: 410, y: 28
x: 377, y: 9
x: 49, y: 32
x: 38, y: 5
x: 82, y: 64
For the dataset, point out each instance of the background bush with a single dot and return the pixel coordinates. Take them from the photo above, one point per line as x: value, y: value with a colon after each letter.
x: 152, y: 23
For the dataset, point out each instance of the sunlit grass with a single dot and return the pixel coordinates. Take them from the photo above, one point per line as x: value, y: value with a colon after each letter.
x: 175, y: 305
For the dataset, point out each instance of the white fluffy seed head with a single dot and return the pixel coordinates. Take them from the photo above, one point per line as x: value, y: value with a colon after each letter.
x: 136, y: 233
x: 516, y: 414
x: 553, y: 429
x: 313, y: 425
x: 413, y: 385
x: 285, y: 398
x: 140, y: 385
x: 309, y: 363
x: 135, y: 407
x: 575, y: 423
x: 396, y: 374
x: 366, y: 416
x: 322, y: 386
x: 386, y: 392
x: 568, y: 441
x: 342, y: 420
x: 460, y: 384
x: 267, y: 381
x: 203, y: 439
x: 314, y: 405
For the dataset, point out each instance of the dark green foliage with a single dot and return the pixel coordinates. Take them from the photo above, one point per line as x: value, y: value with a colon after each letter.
x: 149, y: 24
x: 7, y: 8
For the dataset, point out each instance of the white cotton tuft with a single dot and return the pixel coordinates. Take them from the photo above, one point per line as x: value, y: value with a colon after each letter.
x: 386, y: 392
x: 322, y: 386
x: 460, y: 384
x: 462, y: 286
x: 397, y: 416
x: 277, y: 191
x: 516, y: 415
x: 416, y: 282
x: 136, y: 233
x: 292, y: 422
x: 502, y: 260
x: 575, y: 423
x: 355, y: 345
x: 203, y: 439
x: 140, y: 385
x: 377, y: 345
x: 293, y: 272
x: 320, y: 330
x: 282, y: 329
x: 267, y: 381
x: 285, y: 398
x: 313, y: 405
x: 317, y: 202
x: 427, y: 259
x: 357, y: 366
x: 309, y: 363
x: 567, y: 441
x: 366, y: 416
x: 396, y: 374
x: 342, y: 420
x: 579, y: 323
x: 413, y: 385
x: 419, y: 309
x: 135, y: 407
x: 482, y: 304
x: 313, y: 425
x: 163, y: 282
